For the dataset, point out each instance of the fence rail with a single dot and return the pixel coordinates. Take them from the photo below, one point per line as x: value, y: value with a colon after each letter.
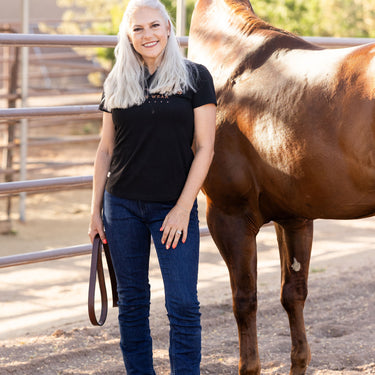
x: 46, y: 184
x: 38, y: 40
x: 44, y: 256
x: 330, y: 42
x: 65, y: 252
x: 30, y: 112
x: 33, y: 40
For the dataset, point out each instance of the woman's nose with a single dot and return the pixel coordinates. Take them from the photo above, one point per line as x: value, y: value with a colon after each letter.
x: 147, y: 33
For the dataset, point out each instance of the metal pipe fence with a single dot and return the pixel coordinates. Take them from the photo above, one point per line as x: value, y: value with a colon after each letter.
x: 45, y: 121
x: 61, y: 253
x: 48, y: 185
x: 32, y: 40
x: 30, y: 112
x: 40, y: 40
x: 331, y: 42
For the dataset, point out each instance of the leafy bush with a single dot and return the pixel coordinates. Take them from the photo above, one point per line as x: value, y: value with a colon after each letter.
x: 339, y: 18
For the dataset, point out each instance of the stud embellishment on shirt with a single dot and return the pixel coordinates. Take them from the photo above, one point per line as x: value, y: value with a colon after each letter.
x: 157, y: 98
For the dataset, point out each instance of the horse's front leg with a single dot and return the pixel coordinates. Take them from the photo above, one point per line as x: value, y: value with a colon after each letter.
x: 295, y: 241
x: 236, y: 242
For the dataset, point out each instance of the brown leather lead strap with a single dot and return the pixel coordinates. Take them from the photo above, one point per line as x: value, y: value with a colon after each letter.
x: 97, y: 268
x: 111, y: 275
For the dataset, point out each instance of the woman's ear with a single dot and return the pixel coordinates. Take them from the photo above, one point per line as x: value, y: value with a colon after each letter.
x: 169, y: 28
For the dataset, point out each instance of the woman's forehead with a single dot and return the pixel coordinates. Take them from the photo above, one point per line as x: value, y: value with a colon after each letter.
x: 145, y: 16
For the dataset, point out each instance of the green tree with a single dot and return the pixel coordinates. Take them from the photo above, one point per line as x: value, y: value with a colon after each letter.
x: 339, y: 18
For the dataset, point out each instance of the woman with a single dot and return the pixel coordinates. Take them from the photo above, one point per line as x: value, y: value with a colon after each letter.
x: 155, y: 151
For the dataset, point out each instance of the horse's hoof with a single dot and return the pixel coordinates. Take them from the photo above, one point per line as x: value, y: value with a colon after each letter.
x: 300, y: 360
x: 301, y: 368
x: 249, y: 369
x: 298, y: 371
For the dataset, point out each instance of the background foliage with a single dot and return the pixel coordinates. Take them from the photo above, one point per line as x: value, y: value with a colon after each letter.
x: 350, y: 18
x: 104, y: 17
x: 338, y: 18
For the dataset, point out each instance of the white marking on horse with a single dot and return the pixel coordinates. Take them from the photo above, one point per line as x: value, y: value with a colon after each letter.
x: 314, y: 67
x: 218, y: 19
x: 227, y: 62
x: 296, y: 266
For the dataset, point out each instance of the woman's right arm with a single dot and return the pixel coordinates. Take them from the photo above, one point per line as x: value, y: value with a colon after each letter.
x: 101, y: 168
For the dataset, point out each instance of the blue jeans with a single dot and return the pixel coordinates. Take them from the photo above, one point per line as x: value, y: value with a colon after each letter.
x: 129, y: 225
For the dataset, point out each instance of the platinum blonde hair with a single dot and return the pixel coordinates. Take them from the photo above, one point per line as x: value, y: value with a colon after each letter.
x: 124, y: 86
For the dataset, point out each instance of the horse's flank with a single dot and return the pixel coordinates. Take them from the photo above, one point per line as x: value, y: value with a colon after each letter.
x: 305, y: 117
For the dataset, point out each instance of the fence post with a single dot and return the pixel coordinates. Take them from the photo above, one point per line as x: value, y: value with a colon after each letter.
x: 181, y: 22
x: 11, y: 72
x: 24, y: 93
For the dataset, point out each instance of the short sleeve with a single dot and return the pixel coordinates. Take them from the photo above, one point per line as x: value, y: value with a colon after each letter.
x: 205, y: 93
x: 102, y: 105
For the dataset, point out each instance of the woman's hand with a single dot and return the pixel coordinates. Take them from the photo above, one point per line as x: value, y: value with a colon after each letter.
x: 175, y: 226
x: 95, y: 227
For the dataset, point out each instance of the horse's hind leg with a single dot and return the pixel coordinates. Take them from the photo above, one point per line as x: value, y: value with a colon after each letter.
x: 236, y: 242
x: 295, y: 241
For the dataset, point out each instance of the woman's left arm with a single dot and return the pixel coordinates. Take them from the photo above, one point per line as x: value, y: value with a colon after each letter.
x: 177, y: 219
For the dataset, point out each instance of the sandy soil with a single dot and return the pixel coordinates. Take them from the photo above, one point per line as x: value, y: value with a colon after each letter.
x: 43, y: 307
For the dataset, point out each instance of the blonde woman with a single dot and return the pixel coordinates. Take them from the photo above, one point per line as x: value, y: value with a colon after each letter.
x: 156, y: 147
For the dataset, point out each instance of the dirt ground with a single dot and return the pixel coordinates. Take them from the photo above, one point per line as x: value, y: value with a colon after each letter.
x: 44, y: 327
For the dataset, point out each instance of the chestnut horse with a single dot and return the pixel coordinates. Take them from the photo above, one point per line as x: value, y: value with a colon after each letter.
x: 295, y: 141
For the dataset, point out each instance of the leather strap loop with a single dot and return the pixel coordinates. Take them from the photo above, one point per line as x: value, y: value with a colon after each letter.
x: 97, y: 268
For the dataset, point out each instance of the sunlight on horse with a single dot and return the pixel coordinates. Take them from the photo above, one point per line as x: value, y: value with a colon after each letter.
x: 294, y: 142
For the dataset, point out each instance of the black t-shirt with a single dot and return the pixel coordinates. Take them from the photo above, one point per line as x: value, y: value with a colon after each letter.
x: 152, y: 150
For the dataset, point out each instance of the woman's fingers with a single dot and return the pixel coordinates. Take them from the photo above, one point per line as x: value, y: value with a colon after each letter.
x: 102, y: 236
x: 165, y: 229
x: 96, y: 227
x: 173, y: 238
x: 175, y: 227
x: 179, y: 236
x: 184, y: 235
x: 168, y: 235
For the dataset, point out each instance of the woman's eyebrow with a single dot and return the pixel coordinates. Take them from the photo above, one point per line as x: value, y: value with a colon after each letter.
x: 150, y: 23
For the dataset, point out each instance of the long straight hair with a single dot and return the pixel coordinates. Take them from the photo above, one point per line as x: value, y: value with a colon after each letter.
x: 124, y: 86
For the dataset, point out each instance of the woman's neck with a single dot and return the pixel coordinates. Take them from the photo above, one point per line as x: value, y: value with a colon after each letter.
x: 152, y: 65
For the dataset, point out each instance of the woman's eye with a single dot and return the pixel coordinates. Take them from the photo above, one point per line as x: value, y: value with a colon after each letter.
x: 137, y: 29
x: 156, y: 25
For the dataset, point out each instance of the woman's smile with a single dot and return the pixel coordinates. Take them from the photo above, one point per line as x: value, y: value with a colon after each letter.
x: 150, y: 44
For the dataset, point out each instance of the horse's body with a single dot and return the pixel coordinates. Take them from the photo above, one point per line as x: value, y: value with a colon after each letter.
x: 295, y: 142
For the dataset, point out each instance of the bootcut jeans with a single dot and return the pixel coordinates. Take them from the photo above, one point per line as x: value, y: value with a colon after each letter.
x: 129, y: 225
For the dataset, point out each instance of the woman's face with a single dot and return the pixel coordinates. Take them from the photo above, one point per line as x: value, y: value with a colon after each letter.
x: 149, y: 35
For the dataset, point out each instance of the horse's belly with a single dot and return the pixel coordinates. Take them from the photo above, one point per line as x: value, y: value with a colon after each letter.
x: 312, y: 170
x: 322, y: 192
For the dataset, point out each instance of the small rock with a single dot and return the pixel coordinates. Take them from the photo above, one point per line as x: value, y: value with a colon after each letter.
x: 58, y: 333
